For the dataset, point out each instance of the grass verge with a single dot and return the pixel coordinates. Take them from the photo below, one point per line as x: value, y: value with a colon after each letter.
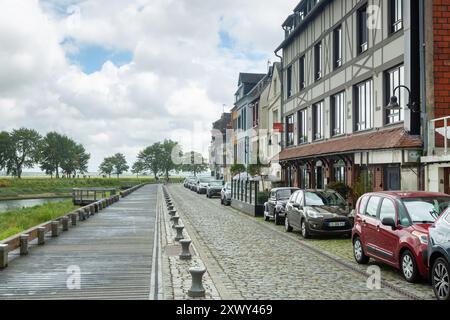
x: 16, y: 221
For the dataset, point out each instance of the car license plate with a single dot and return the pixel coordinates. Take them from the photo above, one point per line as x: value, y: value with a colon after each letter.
x: 336, y: 224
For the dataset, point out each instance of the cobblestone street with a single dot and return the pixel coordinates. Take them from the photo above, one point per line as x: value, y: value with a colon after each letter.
x: 250, y: 259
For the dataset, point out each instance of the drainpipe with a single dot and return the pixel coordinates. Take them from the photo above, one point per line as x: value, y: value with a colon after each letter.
x: 282, y: 105
x: 423, y: 96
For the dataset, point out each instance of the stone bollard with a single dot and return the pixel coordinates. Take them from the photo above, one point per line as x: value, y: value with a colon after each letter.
x: 92, y: 209
x: 99, y: 204
x: 3, y: 256
x: 179, y: 235
x: 55, y: 229
x: 185, y: 253
x: 171, y: 207
x: 172, y: 213
x: 175, y: 220
x: 73, y: 218
x: 197, y: 290
x: 41, y: 235
x: 24, y: 244
x: 65, y: 224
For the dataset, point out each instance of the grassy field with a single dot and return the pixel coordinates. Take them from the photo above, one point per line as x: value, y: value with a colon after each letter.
x: 46, y: 187
x: 16, y: 221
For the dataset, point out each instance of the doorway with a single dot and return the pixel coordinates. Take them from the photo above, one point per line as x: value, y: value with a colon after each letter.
x: 447, y: 180
x: 392, y: 179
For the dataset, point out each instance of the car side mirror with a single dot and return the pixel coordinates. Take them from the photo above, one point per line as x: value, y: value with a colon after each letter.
x: 389, y: 222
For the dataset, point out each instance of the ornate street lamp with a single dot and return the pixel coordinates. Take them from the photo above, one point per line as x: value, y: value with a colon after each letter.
x: 395, y: 106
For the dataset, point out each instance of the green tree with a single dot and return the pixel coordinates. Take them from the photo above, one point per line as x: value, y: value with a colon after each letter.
x: 120, y: 164
x: 137, y: 168
x: 4, y: 148
x: 23, y: 151
x: 237, y: 169
x: 169, y: 147
x: 107, y: 166
x: 151, y: 157
x: 193, y: 162
x: 75, y: 160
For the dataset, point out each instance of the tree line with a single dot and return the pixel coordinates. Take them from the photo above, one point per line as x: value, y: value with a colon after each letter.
x: 58, y: 155
x: 55, y: 153
x: 159, y: 160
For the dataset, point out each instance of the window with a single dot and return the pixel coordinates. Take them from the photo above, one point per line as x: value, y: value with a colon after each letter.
x: 304, y: 177
x: 302, y: 71
x: 318, y: 61
x: 339, y: 171
x: 337, y: 47
x: 396, y: 15
x: 395, y: 78
x: 372, y: 207
x: 387, y: 210
x: 289, y: 82
x: 255, y: 114
x: 290, y: 130
x: 363, y: 205
x: 299, y: 199
x: 303, y: 126
x: 338, y: 114
x: 318, y: 121
x: 363, y: 30
x: 364, y: 106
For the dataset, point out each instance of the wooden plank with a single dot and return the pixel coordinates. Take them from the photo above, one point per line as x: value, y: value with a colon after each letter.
x: 113, y: 250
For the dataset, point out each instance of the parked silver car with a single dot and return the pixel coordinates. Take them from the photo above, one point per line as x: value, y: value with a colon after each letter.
x: 225, y: 194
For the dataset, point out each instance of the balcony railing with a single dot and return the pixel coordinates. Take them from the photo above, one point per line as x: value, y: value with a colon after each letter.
x: 438, y: 137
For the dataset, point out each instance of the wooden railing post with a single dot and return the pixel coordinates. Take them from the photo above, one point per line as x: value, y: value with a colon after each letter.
x: 41, y: 235
x: 3, y: 256
x: 65, y: 224
x: 24, y: 244
x: 73, y: 217
x: 55, y: 229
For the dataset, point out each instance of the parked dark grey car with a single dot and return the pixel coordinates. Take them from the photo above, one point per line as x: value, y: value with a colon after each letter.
x: 214, y: 188
x: 318, y: 213
x: 274, y: 208
x: 439, y: 256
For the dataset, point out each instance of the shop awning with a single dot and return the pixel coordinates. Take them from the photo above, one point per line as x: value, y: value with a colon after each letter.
x: 396, y: 138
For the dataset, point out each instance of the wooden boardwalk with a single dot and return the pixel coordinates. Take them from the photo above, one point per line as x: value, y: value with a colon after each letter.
x: 113, y: 251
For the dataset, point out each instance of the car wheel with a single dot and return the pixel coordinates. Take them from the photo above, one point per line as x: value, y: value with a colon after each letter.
x: 287, y: 226
x: 409, y: 267
x: 440, y: 279
x: 358, y: 252
x: 304, y: 230
x: 277, y: 219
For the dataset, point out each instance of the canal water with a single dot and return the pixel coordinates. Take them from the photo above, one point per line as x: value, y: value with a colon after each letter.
x: 7, y: 205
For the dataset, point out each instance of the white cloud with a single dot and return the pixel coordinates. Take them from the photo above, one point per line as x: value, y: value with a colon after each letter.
x: 179, y: 74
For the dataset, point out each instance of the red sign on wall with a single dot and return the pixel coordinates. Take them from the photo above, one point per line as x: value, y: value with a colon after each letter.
x: 278, y: 126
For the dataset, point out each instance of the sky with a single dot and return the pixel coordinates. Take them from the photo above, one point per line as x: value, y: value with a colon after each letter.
x: 119, y: 75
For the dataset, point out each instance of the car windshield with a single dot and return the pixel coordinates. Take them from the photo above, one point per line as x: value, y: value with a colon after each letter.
x: 426, y: 210
x: 204, y: 180
x: 324, y: 198
x: 285, y: 194
x: 228, y: 186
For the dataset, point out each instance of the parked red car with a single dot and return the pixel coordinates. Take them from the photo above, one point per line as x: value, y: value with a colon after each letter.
x: 392, y: 227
